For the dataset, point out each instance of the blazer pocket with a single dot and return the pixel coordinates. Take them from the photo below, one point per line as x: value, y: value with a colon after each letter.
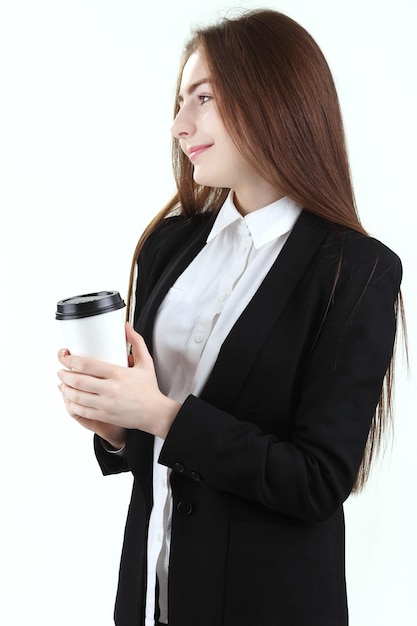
x: 285, y: 575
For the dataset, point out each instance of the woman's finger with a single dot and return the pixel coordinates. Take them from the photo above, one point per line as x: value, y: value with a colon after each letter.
x: 87, y: 365
x: 82, y: 382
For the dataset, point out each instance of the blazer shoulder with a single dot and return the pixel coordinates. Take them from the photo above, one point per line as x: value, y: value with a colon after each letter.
x: 166, y: 243
x: 363, y: 255
x: 338, y: 236
x: 363, y: 249
x: 172, y: 233
x: 351, y: 256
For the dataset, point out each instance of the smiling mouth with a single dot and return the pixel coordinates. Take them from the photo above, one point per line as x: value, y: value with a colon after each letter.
x: 195, y: 151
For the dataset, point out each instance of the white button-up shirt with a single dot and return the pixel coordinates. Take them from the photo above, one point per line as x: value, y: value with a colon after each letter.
x: 192, y: 322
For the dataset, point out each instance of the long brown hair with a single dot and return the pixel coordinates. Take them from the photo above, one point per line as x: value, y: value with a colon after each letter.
x: 276, y: 96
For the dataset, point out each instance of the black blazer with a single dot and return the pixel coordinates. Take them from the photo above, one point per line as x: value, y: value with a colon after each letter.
x: 263, y: 460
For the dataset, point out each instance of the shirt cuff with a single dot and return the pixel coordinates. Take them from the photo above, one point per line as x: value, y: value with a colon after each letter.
x: 111, y: 450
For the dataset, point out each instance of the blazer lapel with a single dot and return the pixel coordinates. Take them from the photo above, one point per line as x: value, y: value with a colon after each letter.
x: 141, y: 443
x: 173, y: 271
x: 256, y: 321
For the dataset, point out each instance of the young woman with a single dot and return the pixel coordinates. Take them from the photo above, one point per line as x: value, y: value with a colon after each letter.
x: 270, y: 316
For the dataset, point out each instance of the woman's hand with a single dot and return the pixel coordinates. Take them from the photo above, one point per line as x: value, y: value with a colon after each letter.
x: 108, y: 399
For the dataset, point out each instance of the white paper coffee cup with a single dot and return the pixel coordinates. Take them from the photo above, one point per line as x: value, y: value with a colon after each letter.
x: 93, y: 325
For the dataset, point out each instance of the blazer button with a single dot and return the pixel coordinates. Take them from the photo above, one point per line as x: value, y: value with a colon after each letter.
x: 178, y: 467
x: 184, y: 508
x: 195, y: 476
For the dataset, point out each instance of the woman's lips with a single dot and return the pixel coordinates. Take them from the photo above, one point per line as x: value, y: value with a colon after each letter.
x: 195, y: 151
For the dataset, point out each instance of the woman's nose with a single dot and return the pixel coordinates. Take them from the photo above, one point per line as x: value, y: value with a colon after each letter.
x: 183, y: 125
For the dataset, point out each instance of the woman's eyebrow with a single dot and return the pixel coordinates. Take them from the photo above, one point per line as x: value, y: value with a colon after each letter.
x: 191, y: 88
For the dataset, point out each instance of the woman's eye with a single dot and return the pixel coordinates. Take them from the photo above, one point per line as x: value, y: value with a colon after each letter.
x: 204, y: 98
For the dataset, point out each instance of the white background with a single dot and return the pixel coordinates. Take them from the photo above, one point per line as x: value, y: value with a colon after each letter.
x: 86, y: 93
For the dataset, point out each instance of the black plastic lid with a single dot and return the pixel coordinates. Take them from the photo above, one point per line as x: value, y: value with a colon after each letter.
x: 89, y: 304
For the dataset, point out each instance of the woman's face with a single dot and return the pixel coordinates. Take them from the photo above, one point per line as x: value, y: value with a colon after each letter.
x: 206, y: 142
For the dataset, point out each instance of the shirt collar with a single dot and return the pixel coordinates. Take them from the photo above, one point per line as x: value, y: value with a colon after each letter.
x: 264, y: 224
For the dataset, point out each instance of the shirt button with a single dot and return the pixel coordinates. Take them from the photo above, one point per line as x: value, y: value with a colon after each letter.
x: 199, y: 338
x: 241, y: 251
x: 222, y: 297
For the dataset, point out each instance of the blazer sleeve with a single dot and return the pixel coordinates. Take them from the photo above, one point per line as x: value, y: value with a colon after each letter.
x: 109, y: 463
x: 310, y: 473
